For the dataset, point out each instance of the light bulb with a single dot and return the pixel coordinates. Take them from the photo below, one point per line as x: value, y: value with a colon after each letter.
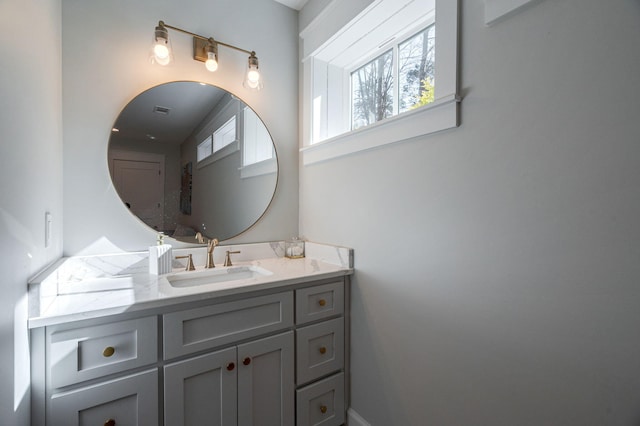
x: 212, y: 62
x: 252, y: 79
x: 253, y: 76
x: 161, y: 51
x: 161, y: 48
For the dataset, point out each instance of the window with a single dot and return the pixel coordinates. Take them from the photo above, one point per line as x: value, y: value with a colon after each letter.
x: 377, y: 70
x: 372, y: 91
x: 222, y: 143
x: 257, y: 145
x: 399, y: 80
x: 225, y: 135
x: 416, y: 66
x: 205, y: 148
x: 257, y: 148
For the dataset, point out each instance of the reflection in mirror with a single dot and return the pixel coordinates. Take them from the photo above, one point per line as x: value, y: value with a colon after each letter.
x: 188, y: 157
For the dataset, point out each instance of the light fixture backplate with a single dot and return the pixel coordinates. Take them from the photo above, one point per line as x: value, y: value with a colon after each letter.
x: 199, y: 52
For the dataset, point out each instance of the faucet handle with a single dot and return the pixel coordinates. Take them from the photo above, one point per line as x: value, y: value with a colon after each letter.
x: 189, y: 266
x: 227, y: 259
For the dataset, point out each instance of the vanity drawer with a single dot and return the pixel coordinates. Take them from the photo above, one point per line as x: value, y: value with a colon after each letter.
x: 320, y: 349
x: 205, y: 328
x: 130, y: 400
x: 86, y: 353
x: 321, y: 403
x: 314, y: 303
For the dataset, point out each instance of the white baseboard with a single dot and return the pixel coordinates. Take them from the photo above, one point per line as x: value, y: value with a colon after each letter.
x: 355, y: 419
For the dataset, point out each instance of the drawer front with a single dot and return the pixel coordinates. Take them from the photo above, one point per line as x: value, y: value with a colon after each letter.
x: 320, y: 350
x: 131, y: 400
x: 323, y: 301
x: 86, y: 353
x: 204, y: 328
x: 322, y: 403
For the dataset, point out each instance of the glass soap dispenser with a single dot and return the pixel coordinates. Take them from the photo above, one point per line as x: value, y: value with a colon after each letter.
x: 294, y: 248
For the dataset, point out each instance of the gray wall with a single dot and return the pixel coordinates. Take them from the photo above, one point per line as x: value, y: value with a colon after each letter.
x: 98, y: 85
x: 30, y: 179
x: 498, y: 264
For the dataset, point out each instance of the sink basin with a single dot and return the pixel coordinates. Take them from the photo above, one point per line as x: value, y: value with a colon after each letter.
x: 212, y: 276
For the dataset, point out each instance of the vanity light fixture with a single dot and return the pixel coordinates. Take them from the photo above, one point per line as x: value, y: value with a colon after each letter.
x: 205, y: 49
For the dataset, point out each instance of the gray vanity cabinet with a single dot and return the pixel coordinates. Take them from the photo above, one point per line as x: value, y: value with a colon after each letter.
x: 276, y: 357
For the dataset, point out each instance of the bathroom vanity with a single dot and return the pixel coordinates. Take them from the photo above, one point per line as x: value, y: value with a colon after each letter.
x: 114, y: 345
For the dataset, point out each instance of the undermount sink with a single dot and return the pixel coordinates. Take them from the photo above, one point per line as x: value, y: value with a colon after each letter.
x: 212, y: 276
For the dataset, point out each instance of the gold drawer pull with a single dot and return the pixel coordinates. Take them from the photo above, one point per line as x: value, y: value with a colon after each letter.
x: 109, y: 351
x: 323, y: 409
x: 322, y: 302
x: 110, y: 422
x: 323, y: 350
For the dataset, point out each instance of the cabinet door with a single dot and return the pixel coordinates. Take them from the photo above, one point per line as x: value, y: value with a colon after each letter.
x: 129, y: 401
x: 266, y: 389
x: 201, y: 390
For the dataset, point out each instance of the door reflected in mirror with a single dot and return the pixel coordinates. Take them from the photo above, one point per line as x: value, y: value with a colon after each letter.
x: 187, y: 157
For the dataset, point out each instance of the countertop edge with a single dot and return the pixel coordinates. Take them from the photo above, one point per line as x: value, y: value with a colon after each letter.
x: 44, y: 321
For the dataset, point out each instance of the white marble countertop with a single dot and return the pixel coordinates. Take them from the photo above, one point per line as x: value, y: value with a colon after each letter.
x: 95, y: 286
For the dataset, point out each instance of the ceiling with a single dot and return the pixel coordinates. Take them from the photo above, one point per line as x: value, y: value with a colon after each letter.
x: 293, y: 4
x: 167, y: 113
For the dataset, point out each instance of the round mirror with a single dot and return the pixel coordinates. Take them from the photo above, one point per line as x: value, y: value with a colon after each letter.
x: 188, y: 157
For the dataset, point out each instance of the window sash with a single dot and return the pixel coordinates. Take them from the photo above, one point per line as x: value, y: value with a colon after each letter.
x: 396, y: 102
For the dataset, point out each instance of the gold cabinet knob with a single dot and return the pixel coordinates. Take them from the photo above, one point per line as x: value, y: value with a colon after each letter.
x: 108, y: 351
x: 322, y: 350
x: 110, y: 422
x: 323, y: 409
x: 231, y: 366
x: 322, y: 302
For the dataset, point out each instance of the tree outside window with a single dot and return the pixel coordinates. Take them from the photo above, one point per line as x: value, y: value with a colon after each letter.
x: 416, y: 69
x: 373, y: 85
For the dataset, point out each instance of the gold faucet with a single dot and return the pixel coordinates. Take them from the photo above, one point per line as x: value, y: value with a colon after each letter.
x: 189, y: 266
x: 227, y: 259
x: 210, y: 246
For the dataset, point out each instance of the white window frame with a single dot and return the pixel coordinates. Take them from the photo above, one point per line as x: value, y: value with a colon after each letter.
x: 324, y: 33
